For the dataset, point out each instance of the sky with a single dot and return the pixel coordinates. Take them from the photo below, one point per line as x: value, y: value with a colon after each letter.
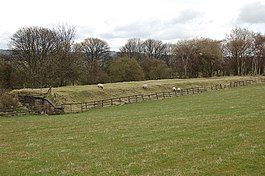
x: 116, y: 21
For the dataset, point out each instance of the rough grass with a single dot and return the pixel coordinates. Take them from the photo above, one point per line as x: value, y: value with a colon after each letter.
x: 71, y: 94
x: 216, y: 133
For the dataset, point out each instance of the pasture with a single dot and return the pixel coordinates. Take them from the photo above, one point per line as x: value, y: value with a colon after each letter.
x: 215, y: 133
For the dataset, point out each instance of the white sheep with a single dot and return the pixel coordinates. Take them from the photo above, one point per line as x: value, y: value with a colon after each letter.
x: 100, y: 86
x: 178, y: 89
x: 174, y: 89
x: 145, y: 86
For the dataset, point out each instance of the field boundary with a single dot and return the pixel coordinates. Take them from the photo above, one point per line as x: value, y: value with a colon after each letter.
x: 14, y: 111
x: 85, y: 106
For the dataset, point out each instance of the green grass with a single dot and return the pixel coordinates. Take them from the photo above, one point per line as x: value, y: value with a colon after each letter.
x: 215, y: 133
x: 85, y: 93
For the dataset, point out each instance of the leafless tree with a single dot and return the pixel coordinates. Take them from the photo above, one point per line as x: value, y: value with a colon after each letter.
x: 33, y: 46
x: 184, y: 53
x: 132, y: 49
x: 67, y: 63
x: 168, y: 53
x: 210, y: 56
x: 95, y: 54
x: 45, y: 54
x: 258, y: 61
x: 94, y: 49
x: 154, y: 48
x: 239, y: 44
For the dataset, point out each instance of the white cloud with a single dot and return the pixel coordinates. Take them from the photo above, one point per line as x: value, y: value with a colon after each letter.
x: 117, y: 20
x: 187, y: 16
x: 253, y: 13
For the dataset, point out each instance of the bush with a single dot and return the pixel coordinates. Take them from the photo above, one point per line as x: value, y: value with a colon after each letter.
x: 156, y: 69
x: 125, y: 69
x: 8, y: 101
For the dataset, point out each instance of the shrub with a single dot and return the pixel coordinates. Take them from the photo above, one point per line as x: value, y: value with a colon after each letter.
x: 125, y: 69
x: 8, y: 101
x: 156, y: 69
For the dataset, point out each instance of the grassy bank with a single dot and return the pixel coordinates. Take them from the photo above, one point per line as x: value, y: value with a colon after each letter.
x: 85, y: 93
x: 216, y: 133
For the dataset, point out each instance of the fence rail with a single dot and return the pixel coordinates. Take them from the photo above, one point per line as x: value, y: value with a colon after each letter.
x: 13, y: 111
x: 84, y: 106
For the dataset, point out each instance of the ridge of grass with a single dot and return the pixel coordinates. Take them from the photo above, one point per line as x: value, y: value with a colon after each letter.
x: 85, y: 93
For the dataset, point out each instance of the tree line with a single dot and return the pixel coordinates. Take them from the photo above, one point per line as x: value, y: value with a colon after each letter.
x: 43, y: 57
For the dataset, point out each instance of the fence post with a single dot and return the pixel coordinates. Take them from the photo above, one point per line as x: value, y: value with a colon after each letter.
x: 156, y: 96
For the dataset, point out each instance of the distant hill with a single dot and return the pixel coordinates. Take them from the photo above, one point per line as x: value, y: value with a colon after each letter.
x: 5, y: 52
x: 8, y: 52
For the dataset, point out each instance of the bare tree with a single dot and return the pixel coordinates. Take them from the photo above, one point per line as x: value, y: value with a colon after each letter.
x: 168, y: 53
x: 258, y: 61
x: 210, y: 56
x: 94, y: 49
x: 154, y: 48
x: 95, y: 53
x: 239, y: 44
x: 67, y: 63
x: 132, y: 49
x: 184, y: 53
x: 34, y: 46
x: 45, y: 54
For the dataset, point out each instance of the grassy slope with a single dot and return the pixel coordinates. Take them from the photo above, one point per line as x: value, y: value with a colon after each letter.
x: 217, y: 133
x: 87, y: 93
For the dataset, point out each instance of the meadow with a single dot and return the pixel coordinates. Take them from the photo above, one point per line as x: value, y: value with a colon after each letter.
x: 215, y: 133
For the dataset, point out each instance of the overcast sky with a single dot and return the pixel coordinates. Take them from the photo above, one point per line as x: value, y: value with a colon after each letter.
x: 115, y: 21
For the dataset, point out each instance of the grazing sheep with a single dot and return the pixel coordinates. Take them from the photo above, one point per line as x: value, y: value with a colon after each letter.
x: 174, y: 89
x: 145, y: 86
x: 178, y: 89
x: 100, y: 86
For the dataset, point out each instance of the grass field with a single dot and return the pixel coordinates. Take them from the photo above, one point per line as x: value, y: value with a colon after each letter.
x: 215, y: 133
x: 85, y: 93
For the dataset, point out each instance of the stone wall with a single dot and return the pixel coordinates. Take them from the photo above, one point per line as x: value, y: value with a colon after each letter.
x: 39, y: 105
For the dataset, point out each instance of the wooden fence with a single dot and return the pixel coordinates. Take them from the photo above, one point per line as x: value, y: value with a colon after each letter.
x: 84, y: 106
x: 13, y: 111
